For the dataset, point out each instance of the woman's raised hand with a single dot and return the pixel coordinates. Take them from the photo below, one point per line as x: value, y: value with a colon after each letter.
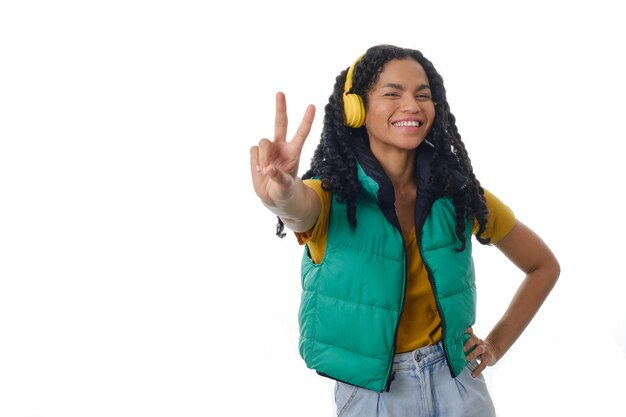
x: 274, y: 164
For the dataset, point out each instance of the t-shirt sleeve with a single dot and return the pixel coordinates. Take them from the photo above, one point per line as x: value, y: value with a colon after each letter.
x: 500, y: 220
x: 316, y: 236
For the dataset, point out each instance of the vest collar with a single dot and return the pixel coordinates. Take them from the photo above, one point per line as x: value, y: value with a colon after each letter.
x: 375, y: 182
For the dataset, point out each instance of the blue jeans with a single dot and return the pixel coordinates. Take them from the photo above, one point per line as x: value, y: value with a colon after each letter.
x: 422, y: 386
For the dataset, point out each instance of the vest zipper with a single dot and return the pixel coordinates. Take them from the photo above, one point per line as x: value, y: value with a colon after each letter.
x: 390, y: 374
x: 431, y: 278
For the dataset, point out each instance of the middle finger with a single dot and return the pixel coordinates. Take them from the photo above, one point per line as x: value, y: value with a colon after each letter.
x: 280, y: 120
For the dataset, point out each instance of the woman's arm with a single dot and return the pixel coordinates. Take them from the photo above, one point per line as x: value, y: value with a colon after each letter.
x: 530, y: 254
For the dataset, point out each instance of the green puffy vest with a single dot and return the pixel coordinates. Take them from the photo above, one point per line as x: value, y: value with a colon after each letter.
x: 352, y: 301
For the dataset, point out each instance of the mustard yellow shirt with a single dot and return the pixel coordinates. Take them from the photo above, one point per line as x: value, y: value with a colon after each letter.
x: 420, y: 324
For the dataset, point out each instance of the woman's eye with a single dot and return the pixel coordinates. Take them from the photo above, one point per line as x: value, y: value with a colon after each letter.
x: 423, y: 97
x: 391, y: 94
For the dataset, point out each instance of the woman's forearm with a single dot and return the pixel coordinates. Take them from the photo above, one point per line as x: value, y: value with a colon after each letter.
x: 300, y: 210
x: 525, y: 304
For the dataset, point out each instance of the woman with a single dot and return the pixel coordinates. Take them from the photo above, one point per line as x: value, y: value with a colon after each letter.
x: 386, y: 212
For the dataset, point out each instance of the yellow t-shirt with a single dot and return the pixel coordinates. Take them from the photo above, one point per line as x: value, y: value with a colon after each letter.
x: 420, y: 324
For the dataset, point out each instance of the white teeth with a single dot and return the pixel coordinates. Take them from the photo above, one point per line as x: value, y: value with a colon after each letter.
x: 412, y: 123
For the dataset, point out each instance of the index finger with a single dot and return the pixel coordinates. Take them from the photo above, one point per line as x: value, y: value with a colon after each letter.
x: 280, y: 120
x: 305, y: 127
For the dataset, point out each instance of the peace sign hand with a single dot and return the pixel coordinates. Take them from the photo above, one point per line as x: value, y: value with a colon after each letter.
x: 274, y: 164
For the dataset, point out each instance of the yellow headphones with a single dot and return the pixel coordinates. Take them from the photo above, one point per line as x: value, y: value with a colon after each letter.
x: 353, y: 108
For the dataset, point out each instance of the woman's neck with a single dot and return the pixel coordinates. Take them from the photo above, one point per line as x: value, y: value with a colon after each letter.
x: 400, y: 168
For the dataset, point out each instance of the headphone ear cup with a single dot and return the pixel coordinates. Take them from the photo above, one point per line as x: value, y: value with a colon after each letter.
x: 353, y: 110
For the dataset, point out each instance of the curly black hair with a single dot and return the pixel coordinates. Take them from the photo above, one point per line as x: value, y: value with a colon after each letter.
x: 335, y: 164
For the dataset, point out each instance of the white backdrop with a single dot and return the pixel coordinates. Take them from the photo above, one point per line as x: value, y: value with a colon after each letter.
x: 139, y: 274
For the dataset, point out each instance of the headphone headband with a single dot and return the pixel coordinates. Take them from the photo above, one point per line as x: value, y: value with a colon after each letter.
x: 348, y: 85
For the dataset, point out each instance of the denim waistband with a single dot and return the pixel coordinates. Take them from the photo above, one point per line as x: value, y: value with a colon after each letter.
x: 420, y: 358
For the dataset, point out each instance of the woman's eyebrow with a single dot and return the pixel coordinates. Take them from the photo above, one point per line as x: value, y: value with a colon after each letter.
x: 401, y: 87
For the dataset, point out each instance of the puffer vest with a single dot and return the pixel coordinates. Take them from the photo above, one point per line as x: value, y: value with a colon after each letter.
x: 352, y: 301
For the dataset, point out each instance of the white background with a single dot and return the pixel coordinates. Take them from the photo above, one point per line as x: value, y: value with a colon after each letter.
x: 139, y: 274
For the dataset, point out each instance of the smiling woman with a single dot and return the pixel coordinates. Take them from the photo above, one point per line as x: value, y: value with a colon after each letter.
x: 126, y: 201
x: 386, y: 212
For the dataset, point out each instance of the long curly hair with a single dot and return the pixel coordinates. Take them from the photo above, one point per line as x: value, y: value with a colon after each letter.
x: 335, y: 162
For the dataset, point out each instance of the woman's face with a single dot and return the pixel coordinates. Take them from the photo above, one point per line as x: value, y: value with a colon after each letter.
x: 400, y: 110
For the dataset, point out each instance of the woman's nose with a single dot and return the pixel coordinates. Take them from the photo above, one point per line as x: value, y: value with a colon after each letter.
x: 410, y: 104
